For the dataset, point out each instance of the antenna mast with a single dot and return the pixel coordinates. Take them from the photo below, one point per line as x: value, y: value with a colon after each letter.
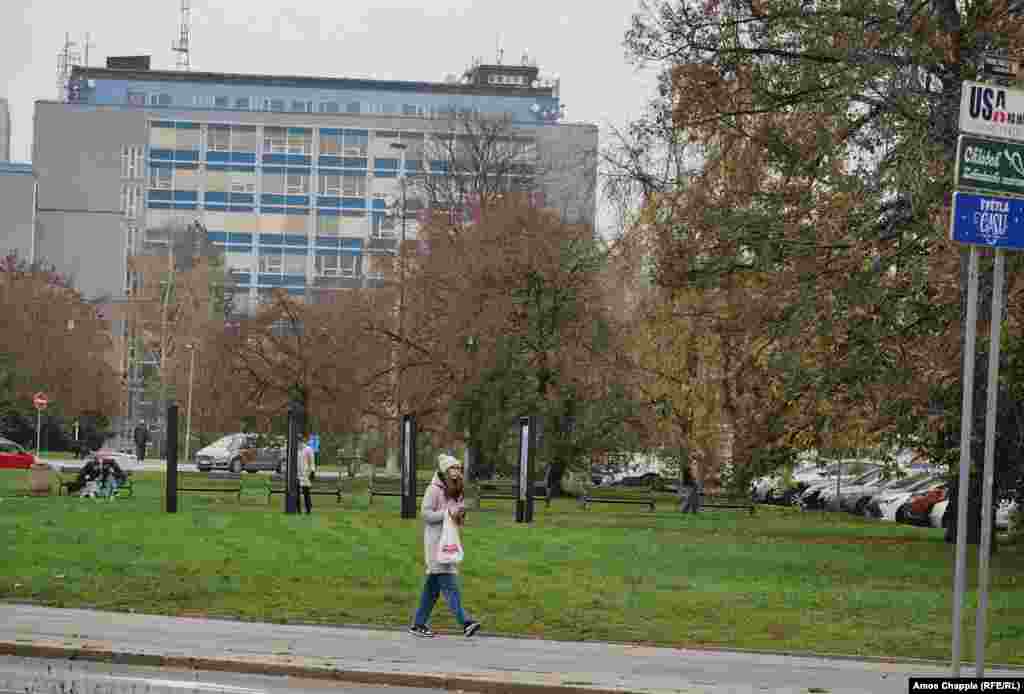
x: 181, y: 46
x: 66, y: 59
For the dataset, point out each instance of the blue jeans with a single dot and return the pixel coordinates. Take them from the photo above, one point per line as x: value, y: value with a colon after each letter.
x: 435, y: 585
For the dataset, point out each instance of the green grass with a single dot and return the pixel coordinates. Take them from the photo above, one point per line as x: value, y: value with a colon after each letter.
x: 778, y: 580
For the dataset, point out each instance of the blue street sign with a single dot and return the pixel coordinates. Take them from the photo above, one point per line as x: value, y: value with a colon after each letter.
x: 984, y: 220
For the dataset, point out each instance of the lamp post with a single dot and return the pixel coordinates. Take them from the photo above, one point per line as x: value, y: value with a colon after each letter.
x: 188, y: 408
x: 401, y: 276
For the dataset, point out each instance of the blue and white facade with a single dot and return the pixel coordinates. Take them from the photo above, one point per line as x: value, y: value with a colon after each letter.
x: 295, y: 178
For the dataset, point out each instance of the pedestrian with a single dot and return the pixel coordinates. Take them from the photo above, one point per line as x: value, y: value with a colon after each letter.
x: 307, y: 469
x: 444, y: 497
x: 141, y: 439
x: 689, y: 492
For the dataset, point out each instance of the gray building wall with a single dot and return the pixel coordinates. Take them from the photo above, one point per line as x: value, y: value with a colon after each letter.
x: 77, y: 157
x: 17, y: 214
x: 5, y: 131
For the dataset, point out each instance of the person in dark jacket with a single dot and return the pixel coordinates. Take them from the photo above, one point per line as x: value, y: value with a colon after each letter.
x: 141, y: 439
x: 111, y: 477
x: 86, y: 482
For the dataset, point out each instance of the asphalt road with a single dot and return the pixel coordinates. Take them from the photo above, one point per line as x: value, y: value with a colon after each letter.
x: 44, y: 676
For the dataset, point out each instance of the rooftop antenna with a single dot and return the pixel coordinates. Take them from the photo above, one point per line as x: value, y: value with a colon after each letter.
x: 66, y: 60
x: 181, y: 46
x: 86, y: 45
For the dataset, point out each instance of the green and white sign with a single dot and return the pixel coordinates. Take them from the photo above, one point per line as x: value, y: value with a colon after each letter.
x: 990, y: 166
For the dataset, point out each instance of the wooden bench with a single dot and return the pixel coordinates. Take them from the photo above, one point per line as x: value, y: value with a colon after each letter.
x: 635, y: 496
x: 125, y: 489
x: 212, y: 483
x: 319, y: 486
x: 392, y: 486
x: 507, y: 489
x: 735, y: 501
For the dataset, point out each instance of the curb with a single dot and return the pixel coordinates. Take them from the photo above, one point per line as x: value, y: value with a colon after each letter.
x: 467, y: 683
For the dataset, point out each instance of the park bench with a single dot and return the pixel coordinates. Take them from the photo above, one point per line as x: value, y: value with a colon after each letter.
x: 319, y: 486
x: 66, y: 476
x: 727, y: 501
x: 507, y: 489
x: 213, y: 483
x: 392, y: 486
x: 636, y: 496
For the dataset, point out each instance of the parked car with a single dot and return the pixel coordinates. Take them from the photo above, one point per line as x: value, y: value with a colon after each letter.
x: 238, y: 452
x: 120, y: 457
x: 917, y: 509
x: 1004, y: 512
x: 887, y: 504
x: 858, y: 499
x: 936, y: 517
x: 816, y: 496
x: 14, y: 457
x: 833, y: 502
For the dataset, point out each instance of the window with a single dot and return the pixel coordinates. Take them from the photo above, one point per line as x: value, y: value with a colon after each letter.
x: 189, y: 138
x: 243, y: 182
x: 410, y: 110
x: 295, y: 264
x: 330, y: 184
x: 161, y: 137
x: 297, y: 184
x: 352, y: 107
x: 131, y: 162
x: 218, y: 138
x: 159, y: 99
x: 130, y: 196
x: 221, y: 101
x: 328, y: 225
x: 242, y: 102
x: 330, y: 107
x: 275, y: 141
x: 187, y: 179
x: 270, y: 261
x: 356, y: 143
x: 330, y: 144
x: 299, y: 106
x: 273, y: 183
x: 160, y: 176
x: 328, y: 265
x: 388, y: 109
x: 353, y: 186
x: 245, y: 138
x: 300, y: 141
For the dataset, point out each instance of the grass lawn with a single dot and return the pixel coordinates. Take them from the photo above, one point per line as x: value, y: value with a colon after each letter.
x: 779, y: 580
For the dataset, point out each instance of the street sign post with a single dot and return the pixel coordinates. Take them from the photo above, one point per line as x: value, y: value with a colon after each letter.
x: 990, y: 166
x: 998, y: 222
x: 40, y: 401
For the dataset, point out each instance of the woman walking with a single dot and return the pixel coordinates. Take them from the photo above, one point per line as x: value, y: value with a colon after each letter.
x: 444, y: 497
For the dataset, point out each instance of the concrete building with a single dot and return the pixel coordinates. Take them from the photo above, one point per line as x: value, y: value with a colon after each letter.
x: 5, y: 131
x: 17, y: 210
x: 296, y: 179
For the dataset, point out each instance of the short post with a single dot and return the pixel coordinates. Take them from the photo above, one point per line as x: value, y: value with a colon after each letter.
x: 296, y: 422
x: 172, y: 457
x: 527, y: 447
x: 407, y: 451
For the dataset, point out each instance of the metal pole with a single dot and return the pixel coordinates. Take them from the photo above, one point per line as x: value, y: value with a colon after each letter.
x: 966, y: 420
x: 172, y: 458
x: 188, y: 413
x: 527, y: 446
x: 990, y: 446
x: 296, y: 423
x: 39, y: 430
x: 408, y: 468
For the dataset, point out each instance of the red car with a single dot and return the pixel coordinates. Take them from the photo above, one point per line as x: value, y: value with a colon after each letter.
x: 14, y: 457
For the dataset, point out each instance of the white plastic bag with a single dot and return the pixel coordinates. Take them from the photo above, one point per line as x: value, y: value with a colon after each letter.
x: 449, y: 549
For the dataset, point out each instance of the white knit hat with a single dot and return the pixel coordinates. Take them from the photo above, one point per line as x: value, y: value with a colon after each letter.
x: 445, y: 461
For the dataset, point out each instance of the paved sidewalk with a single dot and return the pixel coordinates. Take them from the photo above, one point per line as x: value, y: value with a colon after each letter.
x: 481, y: 664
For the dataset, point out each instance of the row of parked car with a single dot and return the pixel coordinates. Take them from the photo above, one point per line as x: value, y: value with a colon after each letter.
x: 911, y: 494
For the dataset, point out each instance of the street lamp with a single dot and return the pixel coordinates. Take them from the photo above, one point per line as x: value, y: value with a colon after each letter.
x: 188, y: 410
x: 401, y: 147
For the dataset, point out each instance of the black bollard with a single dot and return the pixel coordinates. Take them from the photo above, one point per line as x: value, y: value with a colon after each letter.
x: 527, y: 449
x: 407, y: 451
x: 296, y: 423
x: 171, y: 448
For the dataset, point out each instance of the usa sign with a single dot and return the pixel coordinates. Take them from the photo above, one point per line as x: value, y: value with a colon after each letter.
x: 992, y: 111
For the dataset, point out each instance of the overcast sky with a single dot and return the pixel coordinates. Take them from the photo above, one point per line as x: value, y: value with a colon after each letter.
x: 580, y: 40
